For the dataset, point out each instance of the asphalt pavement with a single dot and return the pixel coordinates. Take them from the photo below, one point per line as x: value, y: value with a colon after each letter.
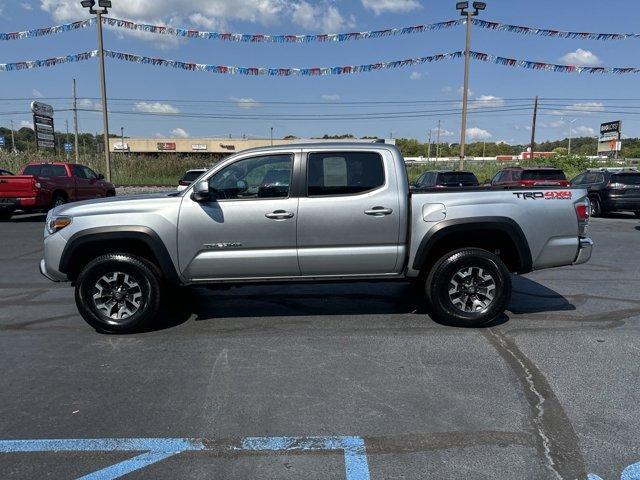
x: 326, y: 381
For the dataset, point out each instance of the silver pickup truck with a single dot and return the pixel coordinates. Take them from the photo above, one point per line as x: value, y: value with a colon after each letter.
x: 315, y: 212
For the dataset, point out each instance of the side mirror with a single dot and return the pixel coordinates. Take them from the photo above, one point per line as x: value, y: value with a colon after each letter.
x: 100, y: 176
x: 201, y: 192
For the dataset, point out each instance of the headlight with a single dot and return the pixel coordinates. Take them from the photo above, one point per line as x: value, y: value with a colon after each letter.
x: 55, y: 224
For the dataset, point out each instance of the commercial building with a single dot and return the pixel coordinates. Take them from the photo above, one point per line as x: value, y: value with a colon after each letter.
x: 211, y: 146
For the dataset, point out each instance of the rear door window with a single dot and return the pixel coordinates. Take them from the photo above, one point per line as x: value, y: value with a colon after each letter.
x: 457, y: 178
x: 344, y: 173
x: 626, y: 178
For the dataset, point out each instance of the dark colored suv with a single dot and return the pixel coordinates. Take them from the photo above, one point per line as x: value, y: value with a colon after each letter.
x: 530, y: 177
x: 611, y: 190
x: 446, y: 179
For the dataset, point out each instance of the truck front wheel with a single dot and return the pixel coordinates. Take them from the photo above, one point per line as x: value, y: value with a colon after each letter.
x: 468, y: 287
x: 118, y: 293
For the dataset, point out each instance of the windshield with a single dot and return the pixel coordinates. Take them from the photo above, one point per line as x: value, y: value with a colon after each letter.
x: 543, y: 175
x: 456, y: 178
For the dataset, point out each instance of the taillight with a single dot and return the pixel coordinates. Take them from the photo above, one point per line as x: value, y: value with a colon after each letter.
x: 583, y: 210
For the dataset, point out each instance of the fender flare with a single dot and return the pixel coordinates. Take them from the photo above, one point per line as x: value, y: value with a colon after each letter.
x: 105, y: 234
x: 476, y: 224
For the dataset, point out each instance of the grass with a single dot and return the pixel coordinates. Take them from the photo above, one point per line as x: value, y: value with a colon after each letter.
x: 167, y: 169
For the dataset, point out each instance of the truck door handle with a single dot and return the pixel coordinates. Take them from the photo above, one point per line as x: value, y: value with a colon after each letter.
x: 378, y: 211
x: 279, y: 215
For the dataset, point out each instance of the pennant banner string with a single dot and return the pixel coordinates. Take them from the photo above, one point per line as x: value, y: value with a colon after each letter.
x: 44, y: 31
x: 314, y: 71
x: 309, y: 38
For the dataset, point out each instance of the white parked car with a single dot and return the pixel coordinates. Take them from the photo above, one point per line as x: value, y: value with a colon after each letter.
x: 189, y: 177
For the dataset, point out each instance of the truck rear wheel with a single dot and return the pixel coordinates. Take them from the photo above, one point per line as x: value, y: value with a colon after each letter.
x: 118, y: 293
x: 468, y: 287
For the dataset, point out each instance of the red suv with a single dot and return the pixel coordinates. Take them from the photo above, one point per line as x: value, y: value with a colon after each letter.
x: 530, y: 177
x: 41, y: 186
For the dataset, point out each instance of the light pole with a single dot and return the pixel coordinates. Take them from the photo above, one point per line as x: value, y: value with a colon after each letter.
x: 438, y: 142
x: 570, y: 135
x: 122, y: 141
x: 13, y: 139
x: 272, y: 136
x: 103, y: 10
x: 465, y: 12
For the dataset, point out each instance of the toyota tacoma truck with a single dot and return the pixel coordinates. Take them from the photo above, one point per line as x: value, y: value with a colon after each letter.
x: 41, y: 186
x: 315, y: 213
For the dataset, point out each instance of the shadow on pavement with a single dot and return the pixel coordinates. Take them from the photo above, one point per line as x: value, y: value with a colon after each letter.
x: 532, y: 297
x: 33, y: 218
x: 344, y: 299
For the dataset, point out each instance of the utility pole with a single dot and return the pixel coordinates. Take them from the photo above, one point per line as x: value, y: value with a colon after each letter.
x: 122, y: 141
x: 429, y: 148
x: 104, y: 6
x: 66, y: 140
x: 466, y: 12
x: 438, y: 141
x: 533, y: 127
x: 272, y: 136
x: 13, y: 139
x: 75, y: 122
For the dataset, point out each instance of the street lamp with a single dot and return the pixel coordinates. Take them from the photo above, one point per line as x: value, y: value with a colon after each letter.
x: 465, y: 11
x: 272, y: 136
x: 103, y: 5
x: 571, y: 122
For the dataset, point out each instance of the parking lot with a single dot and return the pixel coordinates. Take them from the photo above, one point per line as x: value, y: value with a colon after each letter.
x: 319, y: 382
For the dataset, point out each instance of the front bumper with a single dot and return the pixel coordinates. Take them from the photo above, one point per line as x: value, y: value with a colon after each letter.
x: 584, y: 251
x: 53, y: 276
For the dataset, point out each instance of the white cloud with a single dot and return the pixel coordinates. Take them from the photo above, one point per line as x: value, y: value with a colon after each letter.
x: 556, y: 123
x: 245, y: 102
x: 158, y: 135
x: 484, y: 101
x: 461, y: 91
x: 585, y: 131
x: 581, y: 58
x: 155, y: 107
x: 26, y: 6
x: 26, y: 124
x: 443, y: 132
x: 586, y: 108
x: 36, y: 93
x: 323, y: 17
x: 475, y: 133
x: 415, y: 76
x: 332, y: 97
x: 180, y: 133
x: 395, y: 6
x: 447, y: 89
x: 210, y: 14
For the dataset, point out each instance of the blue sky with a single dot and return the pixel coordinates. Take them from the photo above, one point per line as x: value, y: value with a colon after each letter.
x: 246, y: 95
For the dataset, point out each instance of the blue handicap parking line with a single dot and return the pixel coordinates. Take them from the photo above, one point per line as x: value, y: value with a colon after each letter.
x: 158, y: 449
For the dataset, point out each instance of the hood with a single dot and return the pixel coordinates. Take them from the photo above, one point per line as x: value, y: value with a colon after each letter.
x: 123, y: 204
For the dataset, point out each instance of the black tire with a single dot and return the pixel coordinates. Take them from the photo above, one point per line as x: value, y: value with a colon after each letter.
x: 140, y: 271
x: 637, y: 214
x: 111, y: 193
x: 596, y: 207
x: 58, y: 199
x: 446, y: 270
x: 5, y: 216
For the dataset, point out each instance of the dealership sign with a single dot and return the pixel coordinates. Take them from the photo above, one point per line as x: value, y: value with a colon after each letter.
x: 610, y: 142
x: 119, y: 146
x: 166, y: 146
x: 199, y: 146
x: 43, y: 125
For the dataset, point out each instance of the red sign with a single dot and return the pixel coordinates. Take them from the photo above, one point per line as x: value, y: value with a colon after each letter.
x: 167, y: 147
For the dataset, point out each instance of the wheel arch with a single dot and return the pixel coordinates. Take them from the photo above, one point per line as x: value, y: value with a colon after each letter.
x: 86, y: 245
x: 501, y: 234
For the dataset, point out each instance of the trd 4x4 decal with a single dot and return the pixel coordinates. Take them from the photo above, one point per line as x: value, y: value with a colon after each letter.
x: 562, y: 195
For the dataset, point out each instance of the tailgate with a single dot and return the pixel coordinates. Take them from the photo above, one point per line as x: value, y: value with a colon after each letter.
x: 17, y: 186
